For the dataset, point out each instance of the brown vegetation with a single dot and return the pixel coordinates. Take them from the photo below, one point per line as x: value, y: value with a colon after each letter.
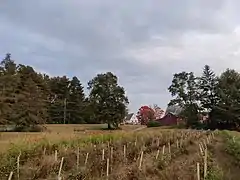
x: 126, y: 156
x: 151, y: 153
x: 56, y: 132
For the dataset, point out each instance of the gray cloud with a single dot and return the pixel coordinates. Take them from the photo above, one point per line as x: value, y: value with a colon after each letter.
x: 143, y: 42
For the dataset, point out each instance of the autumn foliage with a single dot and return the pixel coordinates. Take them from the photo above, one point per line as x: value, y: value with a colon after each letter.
x: 145, y: 114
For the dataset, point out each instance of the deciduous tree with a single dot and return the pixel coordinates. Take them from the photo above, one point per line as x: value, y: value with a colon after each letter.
x: 184, y: 89
x: 108, y: 98
x: 145, y: 114
x: 226, y: 113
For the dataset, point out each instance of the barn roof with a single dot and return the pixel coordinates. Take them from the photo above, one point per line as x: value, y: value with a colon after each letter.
x: 174, y: 109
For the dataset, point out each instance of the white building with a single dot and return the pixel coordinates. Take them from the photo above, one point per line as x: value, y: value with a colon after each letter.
x: 131, y: 119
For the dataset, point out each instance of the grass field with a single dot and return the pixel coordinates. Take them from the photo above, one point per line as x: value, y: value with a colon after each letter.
x: 148, y: 154
x: 57, y: 132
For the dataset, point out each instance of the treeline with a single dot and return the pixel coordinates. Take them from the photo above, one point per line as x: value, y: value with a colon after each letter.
x: 212, y: 96
x: 29, y: 98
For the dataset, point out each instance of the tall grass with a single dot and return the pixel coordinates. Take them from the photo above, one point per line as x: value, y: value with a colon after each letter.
x: 38, y: 160
x: 233, y: 145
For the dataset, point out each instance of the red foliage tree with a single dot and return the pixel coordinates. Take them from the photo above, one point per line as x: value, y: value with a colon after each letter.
x: 145, y: 114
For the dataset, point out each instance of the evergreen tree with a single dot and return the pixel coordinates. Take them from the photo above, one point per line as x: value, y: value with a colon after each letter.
x: 90, y: 116
x: 75, y: 106
x: 208, y: 97
x: 59, y: 96
x: 8, y: 85
x: 30, y: 108
x: 28, y: 98
x: 207, y: 86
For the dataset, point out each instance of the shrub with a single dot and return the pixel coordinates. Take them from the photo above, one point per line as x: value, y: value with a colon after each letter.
x: 200, y: 126
x: 153, y: 124
x: 29, y: 129
x: 13, y: 128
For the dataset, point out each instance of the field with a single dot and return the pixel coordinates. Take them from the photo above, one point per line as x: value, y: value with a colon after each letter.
x: 73, y: 152
x: 56, y: 132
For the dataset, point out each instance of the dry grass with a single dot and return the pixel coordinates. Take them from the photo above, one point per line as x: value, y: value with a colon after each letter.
x: 37, y: 163
x: 56, y: 132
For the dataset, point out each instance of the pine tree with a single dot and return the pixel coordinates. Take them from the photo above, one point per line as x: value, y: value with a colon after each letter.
x: 30, y: 108
x: 8, y: 85
x: 28, y: 98
x: 59, y: 87
x: 207, y: 86
x: 75, y: 106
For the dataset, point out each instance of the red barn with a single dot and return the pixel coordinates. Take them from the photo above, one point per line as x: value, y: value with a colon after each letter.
x: 168, y: 120
x: 171, y: 116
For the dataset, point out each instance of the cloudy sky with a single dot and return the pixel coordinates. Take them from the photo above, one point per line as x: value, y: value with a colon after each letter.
x: 142, y: 41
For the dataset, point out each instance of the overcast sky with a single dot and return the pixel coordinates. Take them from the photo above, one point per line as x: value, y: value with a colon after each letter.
x: 142, y: 41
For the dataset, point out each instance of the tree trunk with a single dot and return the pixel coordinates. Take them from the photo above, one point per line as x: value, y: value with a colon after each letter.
x: 109, y: 126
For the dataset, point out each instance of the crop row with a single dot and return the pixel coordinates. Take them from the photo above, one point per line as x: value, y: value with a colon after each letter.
x: 103, y: 156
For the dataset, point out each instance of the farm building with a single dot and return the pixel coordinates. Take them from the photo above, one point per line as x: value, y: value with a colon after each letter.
x: 131, y: 119
x: 171, y: 116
